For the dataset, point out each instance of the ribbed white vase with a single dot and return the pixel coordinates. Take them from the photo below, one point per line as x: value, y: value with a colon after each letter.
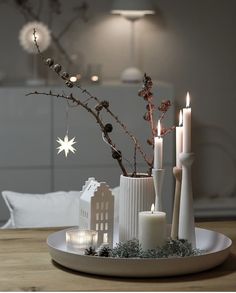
x: 136, y: 195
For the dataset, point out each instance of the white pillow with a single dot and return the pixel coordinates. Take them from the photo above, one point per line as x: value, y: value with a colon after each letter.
x: 43, y: 210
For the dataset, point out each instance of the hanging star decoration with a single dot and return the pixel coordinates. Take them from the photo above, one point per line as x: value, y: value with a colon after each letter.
x: 66, y: 145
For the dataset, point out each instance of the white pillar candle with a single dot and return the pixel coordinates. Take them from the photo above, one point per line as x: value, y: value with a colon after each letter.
x: 158, y: 148
x: 81, y: 239
x: 152, y: 229
x: 187, y: 126
x: 179, y: 140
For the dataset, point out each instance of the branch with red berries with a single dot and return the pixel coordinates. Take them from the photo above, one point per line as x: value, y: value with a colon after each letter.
x: 146, y: 93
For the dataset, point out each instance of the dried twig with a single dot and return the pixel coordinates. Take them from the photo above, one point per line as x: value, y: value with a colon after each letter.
x: 81, y: 10
x: 146, y: 93
x: 104, y: 105
x: 28, y: 12
x: 93, y: 113
x: 107, y: 109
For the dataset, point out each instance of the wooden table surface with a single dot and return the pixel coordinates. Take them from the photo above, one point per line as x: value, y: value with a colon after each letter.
x: 25, y: 265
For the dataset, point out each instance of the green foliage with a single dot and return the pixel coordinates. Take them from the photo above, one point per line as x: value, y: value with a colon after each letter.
x: 104, y: 251
x: 172, y: 248
x: 133, y: 249
x: 128, y: 249
x: 90, y: 251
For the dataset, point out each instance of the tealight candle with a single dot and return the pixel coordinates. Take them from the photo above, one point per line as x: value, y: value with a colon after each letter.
x: 158, y: 148
x: 77, y: 239
x: 152, y: 229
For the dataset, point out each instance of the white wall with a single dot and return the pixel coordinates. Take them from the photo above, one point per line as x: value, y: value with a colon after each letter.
x: 190, y: 43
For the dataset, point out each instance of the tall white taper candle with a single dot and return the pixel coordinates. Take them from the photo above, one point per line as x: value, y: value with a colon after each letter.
x: 187, y: 126
x: 179, y: 140
x: 158, y: 148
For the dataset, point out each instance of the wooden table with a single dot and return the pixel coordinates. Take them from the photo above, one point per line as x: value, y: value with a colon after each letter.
x: 25, y: 265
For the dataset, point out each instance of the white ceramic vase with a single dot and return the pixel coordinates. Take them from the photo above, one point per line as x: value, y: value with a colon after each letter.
x: 136, y: 195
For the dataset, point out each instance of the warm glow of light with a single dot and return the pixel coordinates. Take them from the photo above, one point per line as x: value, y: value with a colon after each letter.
x: 159, y: 128
x: 187, y: 100
x: 81, y: 239
x: 37, y: 36
x: 94, y: 78
x: 105, y: 238
x: 73, y: 78
x: 152, y: 208
x: 180, y: 118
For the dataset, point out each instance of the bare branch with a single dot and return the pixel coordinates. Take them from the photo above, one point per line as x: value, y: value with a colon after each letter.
x: 81, y: 10
x: 94, y: 114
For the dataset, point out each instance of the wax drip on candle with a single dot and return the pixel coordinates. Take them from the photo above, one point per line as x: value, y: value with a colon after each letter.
x: 188, y: 100
x: 152, y: 208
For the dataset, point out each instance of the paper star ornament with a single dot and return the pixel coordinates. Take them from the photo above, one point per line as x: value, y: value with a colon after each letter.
x: 66, y: 145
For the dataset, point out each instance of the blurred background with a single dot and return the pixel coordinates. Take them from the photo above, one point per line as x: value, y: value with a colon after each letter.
x: 184, y: 45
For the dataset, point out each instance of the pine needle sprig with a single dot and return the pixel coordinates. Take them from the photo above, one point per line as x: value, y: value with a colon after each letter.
x: 128, y: 249
x: 90, y: 251
x: 104, y: 251
x: 172, y: 248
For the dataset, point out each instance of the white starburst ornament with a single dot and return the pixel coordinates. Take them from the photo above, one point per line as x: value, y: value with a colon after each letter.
x: 66, y: 145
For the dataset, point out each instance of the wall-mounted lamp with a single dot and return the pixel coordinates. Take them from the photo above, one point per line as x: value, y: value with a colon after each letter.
x: 132, y: 10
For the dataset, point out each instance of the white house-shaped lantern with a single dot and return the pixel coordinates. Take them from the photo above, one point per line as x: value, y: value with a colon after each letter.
x: 97, y: 210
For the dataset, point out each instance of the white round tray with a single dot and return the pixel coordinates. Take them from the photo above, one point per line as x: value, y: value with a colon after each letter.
x: 215, y: 245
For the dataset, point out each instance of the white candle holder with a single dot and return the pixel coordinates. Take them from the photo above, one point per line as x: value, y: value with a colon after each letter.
x: 175, y: 218
x: 186, y: 214
x: 158, y: 178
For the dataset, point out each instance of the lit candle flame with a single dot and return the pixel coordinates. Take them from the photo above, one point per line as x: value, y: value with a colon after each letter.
x: 180, y: 118
x: 187, y: 100
x: 152, y: 208
x: 159, y: 128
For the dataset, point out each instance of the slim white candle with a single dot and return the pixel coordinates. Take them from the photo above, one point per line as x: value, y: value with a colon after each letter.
x: 152, y: 229
x: 187, y: 126
x: 179, y: 140
x: 158, y: 148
